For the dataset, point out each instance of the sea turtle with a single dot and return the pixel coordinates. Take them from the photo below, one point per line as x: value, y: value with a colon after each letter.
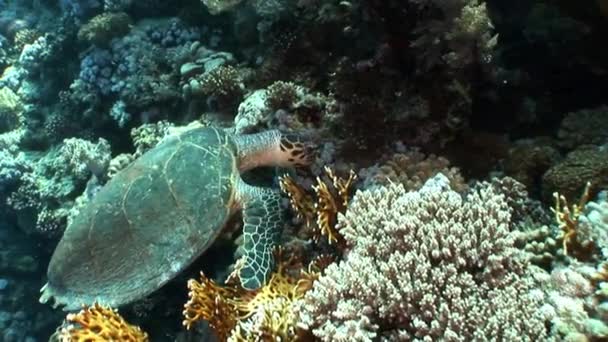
x: 156, y: 216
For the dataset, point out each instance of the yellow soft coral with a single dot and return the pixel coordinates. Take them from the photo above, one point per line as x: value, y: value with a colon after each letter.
x: 99, y: 324
x: 236, y: 314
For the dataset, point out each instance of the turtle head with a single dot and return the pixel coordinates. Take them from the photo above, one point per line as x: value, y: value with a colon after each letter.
x: 295, y: 151
x: 274, y: 148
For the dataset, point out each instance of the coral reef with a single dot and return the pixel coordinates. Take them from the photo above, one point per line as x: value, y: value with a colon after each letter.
x: 399, y: 91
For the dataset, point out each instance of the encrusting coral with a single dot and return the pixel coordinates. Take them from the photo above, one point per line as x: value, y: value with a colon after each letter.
x: 432, y: 259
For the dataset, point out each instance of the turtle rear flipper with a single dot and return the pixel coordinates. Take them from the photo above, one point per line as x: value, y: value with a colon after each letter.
x: 262, y: 217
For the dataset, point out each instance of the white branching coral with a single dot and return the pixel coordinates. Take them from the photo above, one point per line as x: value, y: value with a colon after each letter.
x: 427, y: 265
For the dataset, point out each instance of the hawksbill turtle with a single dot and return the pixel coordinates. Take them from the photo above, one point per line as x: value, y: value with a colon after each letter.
x: 155, y: 217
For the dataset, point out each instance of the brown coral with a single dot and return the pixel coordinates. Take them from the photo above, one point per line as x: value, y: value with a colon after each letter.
x: 99, y: 324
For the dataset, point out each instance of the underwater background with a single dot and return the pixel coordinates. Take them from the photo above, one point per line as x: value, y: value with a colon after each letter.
x: 459, y: 190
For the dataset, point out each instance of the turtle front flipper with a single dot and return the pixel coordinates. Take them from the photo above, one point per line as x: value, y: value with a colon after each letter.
x: 262, y: 217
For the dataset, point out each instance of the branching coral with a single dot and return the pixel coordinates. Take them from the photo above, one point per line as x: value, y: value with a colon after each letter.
x: 99, y: 324
x: 282, y: 95
x: 579, y: 315
x: 23, y: 37
x: 12, y: 167
x: 118, y: 163
x: 48, y: 191
x: 593, y: 223
x: 426, y: 265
